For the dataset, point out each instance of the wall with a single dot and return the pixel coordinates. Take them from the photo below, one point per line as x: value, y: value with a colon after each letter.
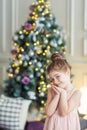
x: 70, y: 14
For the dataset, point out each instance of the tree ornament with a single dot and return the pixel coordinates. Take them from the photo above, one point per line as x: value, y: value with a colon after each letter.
x: 25, y: 80
x: 31, y: 94
x: 39, y: 24
x: 16, y: 71
x: 36, y: 48
x: 35, y: 61
x: 38, y: 74
x: 28, y: 26
x: 18, y: 78
x: 10, y: 70
x: 42, y: 70
x: 34, y: 38
x: 48, y: 25
x: 41, y: 94
x: 31, y: 7
x: 15, y: 38
x: 45, y: 40
x: 39, y: 64
x: 31, y: 53
x: 21, y: 36
x: 13, y: 52
x: 60, y: 41
x: 25, y: 63
x: 31, y: 76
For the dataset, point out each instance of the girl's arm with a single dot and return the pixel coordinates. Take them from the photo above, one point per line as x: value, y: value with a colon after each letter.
x: 52, y: 102
x: 66, y: 106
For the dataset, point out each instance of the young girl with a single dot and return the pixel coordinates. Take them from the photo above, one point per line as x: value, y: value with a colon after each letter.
x: 63, y: 99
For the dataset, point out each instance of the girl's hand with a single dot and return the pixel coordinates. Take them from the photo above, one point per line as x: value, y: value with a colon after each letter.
x: 52, y: 92
x: 55, y: 89
x: 58, y: 89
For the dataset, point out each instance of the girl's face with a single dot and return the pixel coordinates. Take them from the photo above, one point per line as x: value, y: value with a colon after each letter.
x: 60, y: 79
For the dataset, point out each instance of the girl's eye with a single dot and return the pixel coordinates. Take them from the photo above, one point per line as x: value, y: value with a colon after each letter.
x: 49, y: 80
x: 57, y: 76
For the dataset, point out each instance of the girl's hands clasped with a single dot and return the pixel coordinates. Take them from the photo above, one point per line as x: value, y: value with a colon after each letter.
x: 57, y: 90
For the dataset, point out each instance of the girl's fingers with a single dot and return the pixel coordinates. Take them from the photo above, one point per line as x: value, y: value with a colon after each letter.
x: 58, y: 89
x: 55, y: 90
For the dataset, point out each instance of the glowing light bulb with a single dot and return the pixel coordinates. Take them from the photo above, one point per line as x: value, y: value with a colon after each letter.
x: 35, y: 44
x: 33, y: 13
x: 64, y: 52
x: 41, y: 77
x: 38, y: 42
x: 32, y: 31
x: 39, y: 91
x: 10, y: 75
x: 62, y: 47
x: 22, y: 49
x: 13, y: 65
x: 41, y: 109
x: 44, y: 89
x: 20, y: 62
x: 42, y: 6
x: 48, y: 47
x: 48, y: 61
x: 36, y: 69
x: 15, y: 44
x: 47, y: 11
x: 18, y: 50
x: 45, y: 51
x: 18, y: 68
x: 30, y: 63
x: 54, y: 30
x: 33, y: 17
x: 42, y: 82
x: 38, y: 52
x: 37, y: 32
x: 47, y: 35
x: 34, y: 24
x: 43, y: 14
x: 27, y: 32
x: 51, y: 15
x: 44, y: 54
x: 19, y: 56
x: 38, y: 7
x: 24, y: 31
x: 27, y: 44
x: 20, y: 32
x: 42, y: 102
x: 38, y: 88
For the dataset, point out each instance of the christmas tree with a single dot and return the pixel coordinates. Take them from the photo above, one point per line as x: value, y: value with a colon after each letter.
x: 32, y: 46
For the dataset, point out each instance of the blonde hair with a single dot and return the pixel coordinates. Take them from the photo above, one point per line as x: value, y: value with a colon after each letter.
x: 58, y: 63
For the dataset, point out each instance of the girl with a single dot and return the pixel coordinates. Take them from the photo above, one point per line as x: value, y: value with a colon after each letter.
x: 63, y: 99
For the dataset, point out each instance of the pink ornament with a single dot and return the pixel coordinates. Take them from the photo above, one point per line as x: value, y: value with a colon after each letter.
x: 25, y: 80
x: 13, y: 52
x: 30, y: 7
x: 28, y: 26
x: 30, y: 14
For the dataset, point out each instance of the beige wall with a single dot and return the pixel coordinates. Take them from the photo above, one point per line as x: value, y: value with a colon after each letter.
x: 71, y: 14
